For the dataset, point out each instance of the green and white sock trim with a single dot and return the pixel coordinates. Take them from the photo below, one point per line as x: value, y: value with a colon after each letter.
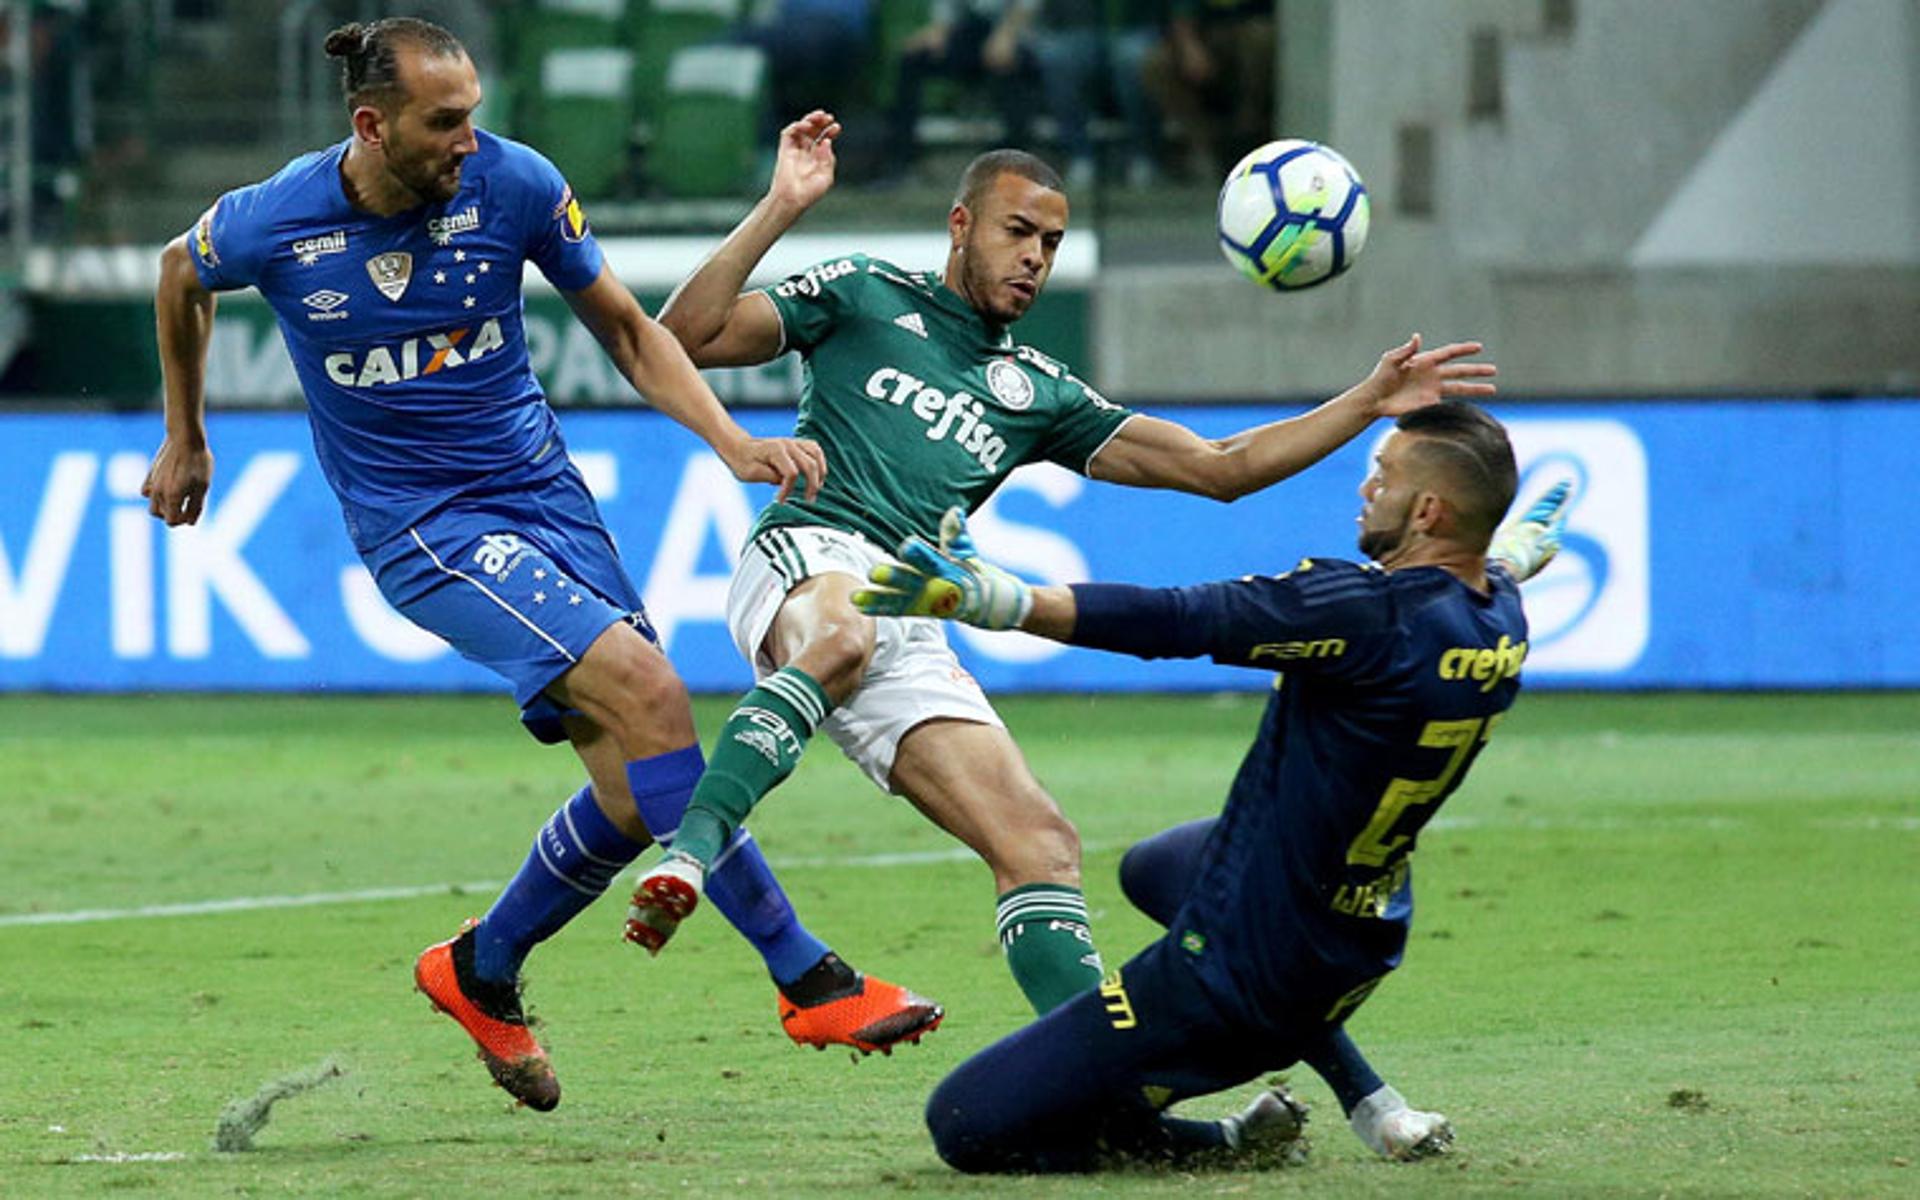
x: 1044, y: 930
x: 1038, y: 902
x: 798, y: 689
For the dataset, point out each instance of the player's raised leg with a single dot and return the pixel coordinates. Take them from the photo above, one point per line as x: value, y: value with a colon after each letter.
x: 743, y: 886
x: 824, y: 646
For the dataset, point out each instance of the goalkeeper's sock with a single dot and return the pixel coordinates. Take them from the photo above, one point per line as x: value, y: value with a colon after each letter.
x: 739, y: 882
x: 1338, y: 1061
x: 758, y: 747
x: 1043, y: 927
x: 575, y: 856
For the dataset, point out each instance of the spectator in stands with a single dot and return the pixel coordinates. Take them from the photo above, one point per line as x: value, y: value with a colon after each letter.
x: 812, y: 47
x: 1087, y: 49
x: 973, y: 41
x: 1214, y: 75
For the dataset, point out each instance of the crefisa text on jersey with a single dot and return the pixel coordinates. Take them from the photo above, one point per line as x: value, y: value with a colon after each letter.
x: 941, y: 412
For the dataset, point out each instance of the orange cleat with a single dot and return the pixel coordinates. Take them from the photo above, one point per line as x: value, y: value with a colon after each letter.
x: 492, y: 1017
x: 664, y: 897
x: 874, y: 1015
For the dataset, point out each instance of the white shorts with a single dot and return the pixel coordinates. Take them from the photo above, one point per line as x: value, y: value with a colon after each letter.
x: 913, y: 677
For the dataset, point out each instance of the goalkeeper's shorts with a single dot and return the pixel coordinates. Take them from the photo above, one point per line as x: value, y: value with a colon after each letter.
x: 913, y: 677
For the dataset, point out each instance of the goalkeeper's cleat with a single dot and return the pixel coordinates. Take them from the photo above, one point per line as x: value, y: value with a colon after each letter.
x: 1392, y: 1129
x: 870, y: 1014
x: 492, y: 1016
x: 1274, y: 1125
x: 664, y: 897
x: 1529, y: 544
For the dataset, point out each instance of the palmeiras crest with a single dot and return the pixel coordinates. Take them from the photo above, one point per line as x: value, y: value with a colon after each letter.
x: 1009, y: 384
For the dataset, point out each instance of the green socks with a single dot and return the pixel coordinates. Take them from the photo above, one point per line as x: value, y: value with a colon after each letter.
x: 759, y: 746
x: 1043, y: 927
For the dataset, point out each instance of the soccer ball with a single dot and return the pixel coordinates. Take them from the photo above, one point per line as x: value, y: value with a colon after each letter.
x: 1292, y: 214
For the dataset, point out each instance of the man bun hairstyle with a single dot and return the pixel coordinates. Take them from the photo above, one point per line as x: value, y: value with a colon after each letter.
x: 982, y: 171
x: 370, y: 61
x: 1470, y: 451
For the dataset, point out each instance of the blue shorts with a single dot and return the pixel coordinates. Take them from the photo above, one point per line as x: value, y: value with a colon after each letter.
x: 1089, y: 1079
x: 521, y: 583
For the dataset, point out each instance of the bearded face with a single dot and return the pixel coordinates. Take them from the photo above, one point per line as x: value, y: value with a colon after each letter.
x: 430, y: 135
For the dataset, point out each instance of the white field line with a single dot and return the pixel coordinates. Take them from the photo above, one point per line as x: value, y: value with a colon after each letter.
x: 145, y: 1156
x: 485, y: 887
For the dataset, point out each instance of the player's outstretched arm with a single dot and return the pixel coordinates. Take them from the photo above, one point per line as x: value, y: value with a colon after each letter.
x: 1527, y: 545
x: 718, y: 325
x: 951, y: 581
x: 1149, y: 452
x: 656, y: 366
x: 182, y: 471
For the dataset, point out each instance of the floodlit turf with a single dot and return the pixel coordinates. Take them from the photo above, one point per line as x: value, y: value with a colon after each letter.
x: 1665, y: 945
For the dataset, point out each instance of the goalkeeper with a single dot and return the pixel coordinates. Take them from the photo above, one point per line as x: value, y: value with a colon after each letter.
x: 1285, y: 912
x: 922, y: 400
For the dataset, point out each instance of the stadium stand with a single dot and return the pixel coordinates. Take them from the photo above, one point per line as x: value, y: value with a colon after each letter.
x: 707, y: 139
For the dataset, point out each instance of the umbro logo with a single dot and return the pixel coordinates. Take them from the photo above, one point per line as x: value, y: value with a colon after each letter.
x: 324, y: 303
x: 912, y: 323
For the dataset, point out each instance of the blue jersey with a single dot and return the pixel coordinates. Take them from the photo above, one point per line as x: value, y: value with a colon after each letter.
x: 1392, y: 682
x: 408, y: 331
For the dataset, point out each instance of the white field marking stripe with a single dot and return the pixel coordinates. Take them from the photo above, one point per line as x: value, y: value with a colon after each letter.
x: 489, y: 594
x: 911, y: 858
x: 200, y: 908
x: 143, y: 1156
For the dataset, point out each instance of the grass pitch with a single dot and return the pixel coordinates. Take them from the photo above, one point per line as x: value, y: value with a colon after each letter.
x: 1664, y: 945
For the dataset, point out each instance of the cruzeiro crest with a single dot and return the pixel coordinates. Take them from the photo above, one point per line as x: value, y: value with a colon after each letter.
x: 391, y: 272
x: 1009, y: 384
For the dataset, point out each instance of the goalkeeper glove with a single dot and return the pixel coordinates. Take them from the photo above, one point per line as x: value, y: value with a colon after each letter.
x: 950, y: 581
x: 1529, y: 544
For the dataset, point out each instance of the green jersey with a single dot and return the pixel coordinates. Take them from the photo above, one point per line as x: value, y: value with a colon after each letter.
x: 918, y: 403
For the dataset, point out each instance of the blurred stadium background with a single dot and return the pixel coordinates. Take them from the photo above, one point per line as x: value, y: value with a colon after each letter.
x: 1656, y: 955
x: 1689, y: 234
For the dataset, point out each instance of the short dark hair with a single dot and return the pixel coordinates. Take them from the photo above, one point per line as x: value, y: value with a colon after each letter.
x: 982, y: 171
x: 1471, y: 450
x: 369, y: 56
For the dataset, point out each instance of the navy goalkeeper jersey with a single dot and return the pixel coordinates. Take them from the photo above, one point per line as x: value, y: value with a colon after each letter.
x: 1392, y: 682
x: 407, y: 331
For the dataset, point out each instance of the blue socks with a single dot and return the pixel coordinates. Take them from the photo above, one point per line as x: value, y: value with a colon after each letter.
x: 739, y: 881
x: 1338, y: 1061
x: 578, y: 852
x: 575, y: 856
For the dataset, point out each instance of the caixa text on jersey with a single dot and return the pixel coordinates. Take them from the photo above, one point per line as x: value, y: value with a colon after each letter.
x: 413, y: 357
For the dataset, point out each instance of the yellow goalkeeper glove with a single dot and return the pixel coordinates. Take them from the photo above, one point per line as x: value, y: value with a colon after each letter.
x: 950, y: 581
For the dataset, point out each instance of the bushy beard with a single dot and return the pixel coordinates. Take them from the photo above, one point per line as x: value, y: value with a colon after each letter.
x: 423, y: 181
